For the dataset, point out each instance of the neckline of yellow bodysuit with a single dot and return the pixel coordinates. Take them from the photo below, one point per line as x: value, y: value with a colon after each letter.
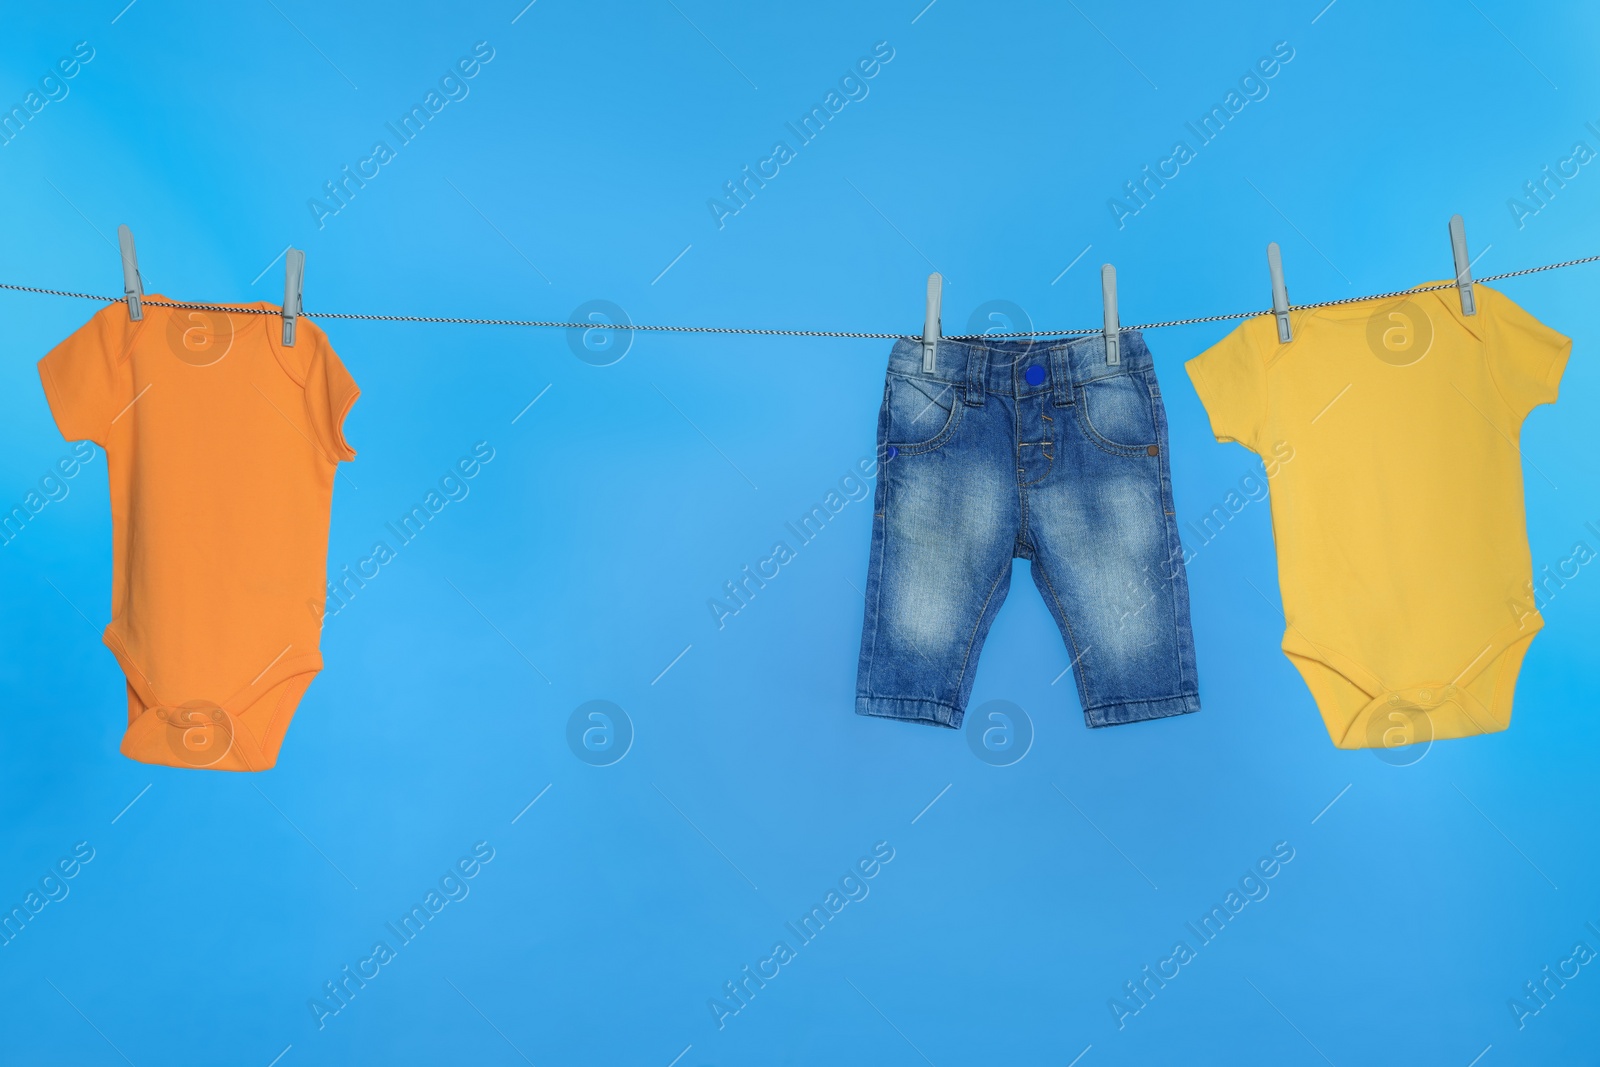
x: 1364, y: 307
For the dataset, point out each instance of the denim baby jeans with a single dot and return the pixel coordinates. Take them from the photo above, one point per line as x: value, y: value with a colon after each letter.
x: 1037, y: 451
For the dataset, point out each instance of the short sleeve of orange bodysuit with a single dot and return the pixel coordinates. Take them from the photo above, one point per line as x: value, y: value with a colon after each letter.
x: 1526, y: 357
x: 329, y: 393
x: 1231, y: 379
x: 88, y: 379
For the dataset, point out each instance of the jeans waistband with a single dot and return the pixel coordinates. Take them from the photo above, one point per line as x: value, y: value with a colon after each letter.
x: 1002, y: 366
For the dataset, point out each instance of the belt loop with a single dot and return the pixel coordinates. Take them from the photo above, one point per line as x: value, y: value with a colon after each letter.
x: 1061, y: 374
x: 977, y: 373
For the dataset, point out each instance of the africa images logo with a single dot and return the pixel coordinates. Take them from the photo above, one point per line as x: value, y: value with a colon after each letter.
x: 1399, y: 332
x: 199, y: 733
x: 199, y: 337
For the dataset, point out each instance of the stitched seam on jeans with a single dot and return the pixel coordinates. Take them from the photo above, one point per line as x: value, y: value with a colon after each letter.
x: 1130, y: 372
x: 1049, y: 466
x: 1047, y: 447
x: 920, y: 377
x: 1134, y: 451
x: 1024, y: 535
x: 908, y: 700
x: 1081, y: 677
x: 1146, y: 700
x: 967, y: 657
x: 1159, y: 411
x: 880, y: 515
x: 875, y: 581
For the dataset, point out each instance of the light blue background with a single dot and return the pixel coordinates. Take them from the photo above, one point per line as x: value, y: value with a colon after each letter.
x: 581, y: 563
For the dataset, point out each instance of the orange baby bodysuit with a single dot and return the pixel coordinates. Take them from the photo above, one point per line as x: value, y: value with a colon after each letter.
x: 221, y: 445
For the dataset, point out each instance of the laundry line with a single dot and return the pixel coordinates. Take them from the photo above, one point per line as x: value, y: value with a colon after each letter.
x: 759, y: 332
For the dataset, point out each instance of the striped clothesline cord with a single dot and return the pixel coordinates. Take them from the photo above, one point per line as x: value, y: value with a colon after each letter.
x: 757, y: 332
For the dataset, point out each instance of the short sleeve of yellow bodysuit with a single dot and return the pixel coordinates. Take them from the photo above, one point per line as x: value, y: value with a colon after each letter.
x: 1231, y: 380
x: 1399, y: 521
x: 1526, y: 356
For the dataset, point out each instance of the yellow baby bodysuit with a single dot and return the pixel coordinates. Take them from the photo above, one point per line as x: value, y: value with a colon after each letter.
x: 1402, y: 545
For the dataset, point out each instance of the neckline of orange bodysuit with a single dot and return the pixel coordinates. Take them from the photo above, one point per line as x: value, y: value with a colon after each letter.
x: 249, y: 319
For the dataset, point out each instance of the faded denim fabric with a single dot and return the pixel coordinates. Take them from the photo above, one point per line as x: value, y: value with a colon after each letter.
x: 1036, y: 451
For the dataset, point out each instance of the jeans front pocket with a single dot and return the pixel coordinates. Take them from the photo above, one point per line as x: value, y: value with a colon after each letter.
x: 920, y: 414
x: 1117, y: 412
